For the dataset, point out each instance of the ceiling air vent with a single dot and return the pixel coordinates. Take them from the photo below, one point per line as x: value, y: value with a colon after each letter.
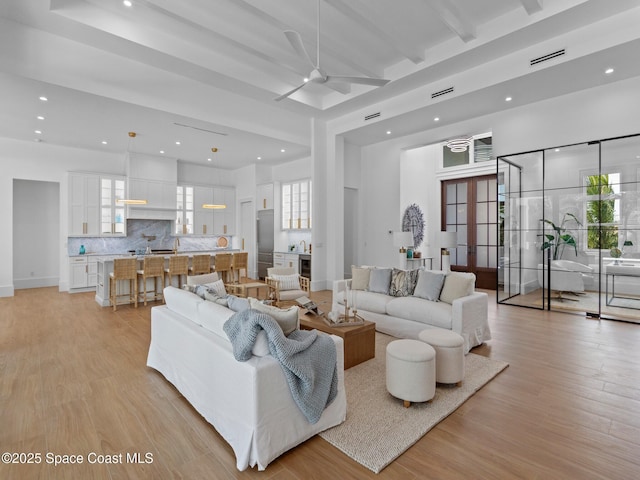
x: 546, y: 57
x: 442, y: 92
x: 371, y: 116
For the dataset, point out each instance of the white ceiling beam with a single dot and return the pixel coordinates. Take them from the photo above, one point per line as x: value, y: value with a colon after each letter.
x: 453, y: 18
x: 366, y: 18
x: 532, y: 6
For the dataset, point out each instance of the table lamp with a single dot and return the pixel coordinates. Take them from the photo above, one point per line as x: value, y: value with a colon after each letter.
x: 447, y: 240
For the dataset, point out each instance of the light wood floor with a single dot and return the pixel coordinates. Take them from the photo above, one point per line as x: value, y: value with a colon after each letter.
x: 73, y: 381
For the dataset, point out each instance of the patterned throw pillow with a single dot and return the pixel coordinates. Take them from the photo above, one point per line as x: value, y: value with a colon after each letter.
x: 403, y: 282
x: 216, y: 287
x: 288, y: 282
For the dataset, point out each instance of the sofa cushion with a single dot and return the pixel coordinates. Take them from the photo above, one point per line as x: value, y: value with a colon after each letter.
x: 238, y: 304
x: 369, y: 301
x: 288, y: 282
x: 200, y: 279
x: 403, y: 282
x: 457, y: 285
x: 379, y: 280
x: 216, y: 287
x: 429, y: 285
x: 219, y: 299
x: 182, y: 302
x: 360, y: 278
x: 417, y: 309
x: 287, y: 318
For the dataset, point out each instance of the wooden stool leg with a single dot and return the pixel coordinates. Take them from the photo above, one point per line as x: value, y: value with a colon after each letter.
x: 407, y: 403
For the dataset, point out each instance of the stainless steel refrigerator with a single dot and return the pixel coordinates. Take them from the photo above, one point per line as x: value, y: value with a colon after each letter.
x: 265, y: 242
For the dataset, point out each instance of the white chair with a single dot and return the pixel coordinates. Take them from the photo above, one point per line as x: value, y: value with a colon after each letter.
x: 567, y: 276
x: 286, y: 285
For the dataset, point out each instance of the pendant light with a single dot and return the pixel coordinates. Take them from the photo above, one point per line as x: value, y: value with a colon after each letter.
x: 131, y: 201
x: 214, y: 206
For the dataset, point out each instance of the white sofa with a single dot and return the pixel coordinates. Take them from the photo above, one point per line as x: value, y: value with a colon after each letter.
x: 407, y: 316
x: 248, y: 403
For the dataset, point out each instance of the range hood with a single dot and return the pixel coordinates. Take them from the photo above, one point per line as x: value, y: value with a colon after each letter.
x: 153, y: 179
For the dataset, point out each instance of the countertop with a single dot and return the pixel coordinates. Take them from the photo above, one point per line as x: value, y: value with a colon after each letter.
x: 111, y: 256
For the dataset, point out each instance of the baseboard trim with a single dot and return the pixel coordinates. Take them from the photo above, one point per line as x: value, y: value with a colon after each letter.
x: 24, y: 283
x: 7, y: 291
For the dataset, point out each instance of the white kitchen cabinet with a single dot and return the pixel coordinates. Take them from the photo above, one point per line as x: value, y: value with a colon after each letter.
x: 84, y: 204
x: 83, y: 272
x: 158, y: 194
x: 203, y: 217
x: 224, y: 219
x: 112, y: 208
x: 291, y: 261
x: 296, y: 205
x: 278, y: 260
x: 264, y: 196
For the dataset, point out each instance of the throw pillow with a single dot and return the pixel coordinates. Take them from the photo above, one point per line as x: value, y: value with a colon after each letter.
x: 429, y: 285
x: 379, y: 280
x: 216, y: 287
x: 403, y: 282
x: 237, y: 304
x: 287, y: 318
x: 360, y: 278
x: 457, y: 285
x: 288, y: 282
x: 214, y: 297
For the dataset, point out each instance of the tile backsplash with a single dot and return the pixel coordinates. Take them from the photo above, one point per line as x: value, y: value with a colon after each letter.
x: 140, y: 234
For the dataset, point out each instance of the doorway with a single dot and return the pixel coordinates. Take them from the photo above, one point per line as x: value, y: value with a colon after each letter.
x: 36, y: 234
x: 469, y: 207
x: 350, y: 232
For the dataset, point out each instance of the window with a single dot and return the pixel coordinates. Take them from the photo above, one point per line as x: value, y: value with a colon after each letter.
x: 296, y: 205
x: 602, y: 210
x: 184, y: 210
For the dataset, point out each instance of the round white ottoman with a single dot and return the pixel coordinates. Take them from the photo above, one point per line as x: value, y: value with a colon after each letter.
x: 449, y: 354
x: 411, y: 371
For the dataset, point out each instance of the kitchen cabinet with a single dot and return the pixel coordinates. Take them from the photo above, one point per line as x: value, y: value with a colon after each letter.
x: 296, y: 205
x: 84, y: 204
x: 202, y: 217
x: 184, y: 209
x: 112, y: 208
x: 278, y: 260
x: 83, y: 272
x: 264, y: 196
x: 158, y: 194
x: 224, y: 219
x: 291, y: 261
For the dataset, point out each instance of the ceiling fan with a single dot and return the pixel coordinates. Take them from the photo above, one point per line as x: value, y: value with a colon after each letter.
x: 318, y: 75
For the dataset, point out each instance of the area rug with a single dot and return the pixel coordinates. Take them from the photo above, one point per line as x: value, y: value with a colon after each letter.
x: 378, y: 428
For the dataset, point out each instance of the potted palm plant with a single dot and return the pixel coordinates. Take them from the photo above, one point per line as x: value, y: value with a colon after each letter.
x: 560, y: 237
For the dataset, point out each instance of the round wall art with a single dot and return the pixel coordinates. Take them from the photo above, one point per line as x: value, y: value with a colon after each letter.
x: 413, y: 221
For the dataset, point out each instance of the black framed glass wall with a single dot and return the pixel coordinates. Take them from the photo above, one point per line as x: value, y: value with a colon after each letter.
x: 570, y: 228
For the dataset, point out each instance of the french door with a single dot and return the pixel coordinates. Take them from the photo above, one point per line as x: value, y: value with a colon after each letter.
x: 469, y: 207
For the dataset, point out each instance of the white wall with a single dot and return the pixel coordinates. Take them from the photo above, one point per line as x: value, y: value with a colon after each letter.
x: 47, y: 163
x: 36, y: 234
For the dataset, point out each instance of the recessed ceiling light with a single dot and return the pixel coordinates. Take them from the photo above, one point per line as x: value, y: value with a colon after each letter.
x: 282, y: 150
x: 127, y: 3
x: 161, y: 151
x: 609, y: 71
x: 557, y: 150
x: 177, y: 143
x: 40, y: 117
x: 437, y: 119
x: 104, y: 142
x: 305, y: 79
x: 208, y: 159
x: 44, y: 99
x: 39, y: 132
x: 508, y: 99
x: 259, y: 158
x: 388, y: 132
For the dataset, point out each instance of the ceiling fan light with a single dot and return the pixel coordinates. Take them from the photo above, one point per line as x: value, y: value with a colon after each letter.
x: 458, y: 145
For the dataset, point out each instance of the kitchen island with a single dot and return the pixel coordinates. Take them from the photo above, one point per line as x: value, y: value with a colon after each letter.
x: 105, y: 267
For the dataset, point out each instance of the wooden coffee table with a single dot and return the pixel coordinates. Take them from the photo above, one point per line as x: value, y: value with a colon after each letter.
x: 242, y: 289
x: 359, y: 341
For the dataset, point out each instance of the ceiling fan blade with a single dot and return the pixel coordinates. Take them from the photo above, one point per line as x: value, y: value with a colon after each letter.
x: 285, y: 95
x: 376, y: 82
x: 296, y: 42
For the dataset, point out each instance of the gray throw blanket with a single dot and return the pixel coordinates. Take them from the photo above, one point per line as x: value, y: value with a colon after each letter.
x: 308, y: 360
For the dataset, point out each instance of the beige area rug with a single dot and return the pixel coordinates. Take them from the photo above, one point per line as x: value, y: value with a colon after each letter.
x: 378, y: 428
